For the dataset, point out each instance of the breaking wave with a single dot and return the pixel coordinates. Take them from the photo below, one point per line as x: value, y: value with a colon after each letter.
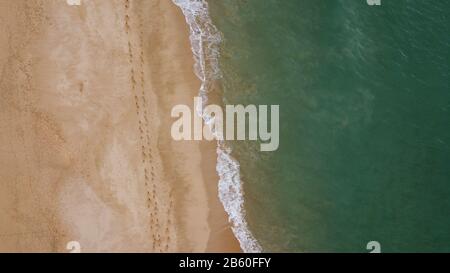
x: 205, y: 40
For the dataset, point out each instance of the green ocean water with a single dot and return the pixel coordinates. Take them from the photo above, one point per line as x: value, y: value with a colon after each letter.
x: 364, y: 101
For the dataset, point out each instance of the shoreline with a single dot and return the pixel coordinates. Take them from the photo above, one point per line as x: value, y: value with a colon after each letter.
x: 201, y: 153
x: 205, y: 40
x: 86, y: 98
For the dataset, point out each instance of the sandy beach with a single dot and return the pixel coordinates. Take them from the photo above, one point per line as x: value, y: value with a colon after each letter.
x: 86, y: 153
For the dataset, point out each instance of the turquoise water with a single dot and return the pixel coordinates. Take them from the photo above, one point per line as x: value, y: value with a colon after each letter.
x: 365, y: 121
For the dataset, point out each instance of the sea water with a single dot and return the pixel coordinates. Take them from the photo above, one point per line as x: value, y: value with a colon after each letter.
x: 364, y: 122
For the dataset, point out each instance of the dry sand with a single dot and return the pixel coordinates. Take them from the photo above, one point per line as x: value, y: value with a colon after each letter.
x: 85, y: 148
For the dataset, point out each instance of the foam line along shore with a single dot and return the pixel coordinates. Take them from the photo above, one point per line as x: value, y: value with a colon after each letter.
x: 205, y: 41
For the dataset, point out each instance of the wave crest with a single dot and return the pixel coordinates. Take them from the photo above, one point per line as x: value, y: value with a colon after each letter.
x: 205, y: 41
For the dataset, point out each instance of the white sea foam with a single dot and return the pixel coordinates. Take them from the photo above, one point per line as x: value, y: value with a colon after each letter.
x: 205, y: 41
